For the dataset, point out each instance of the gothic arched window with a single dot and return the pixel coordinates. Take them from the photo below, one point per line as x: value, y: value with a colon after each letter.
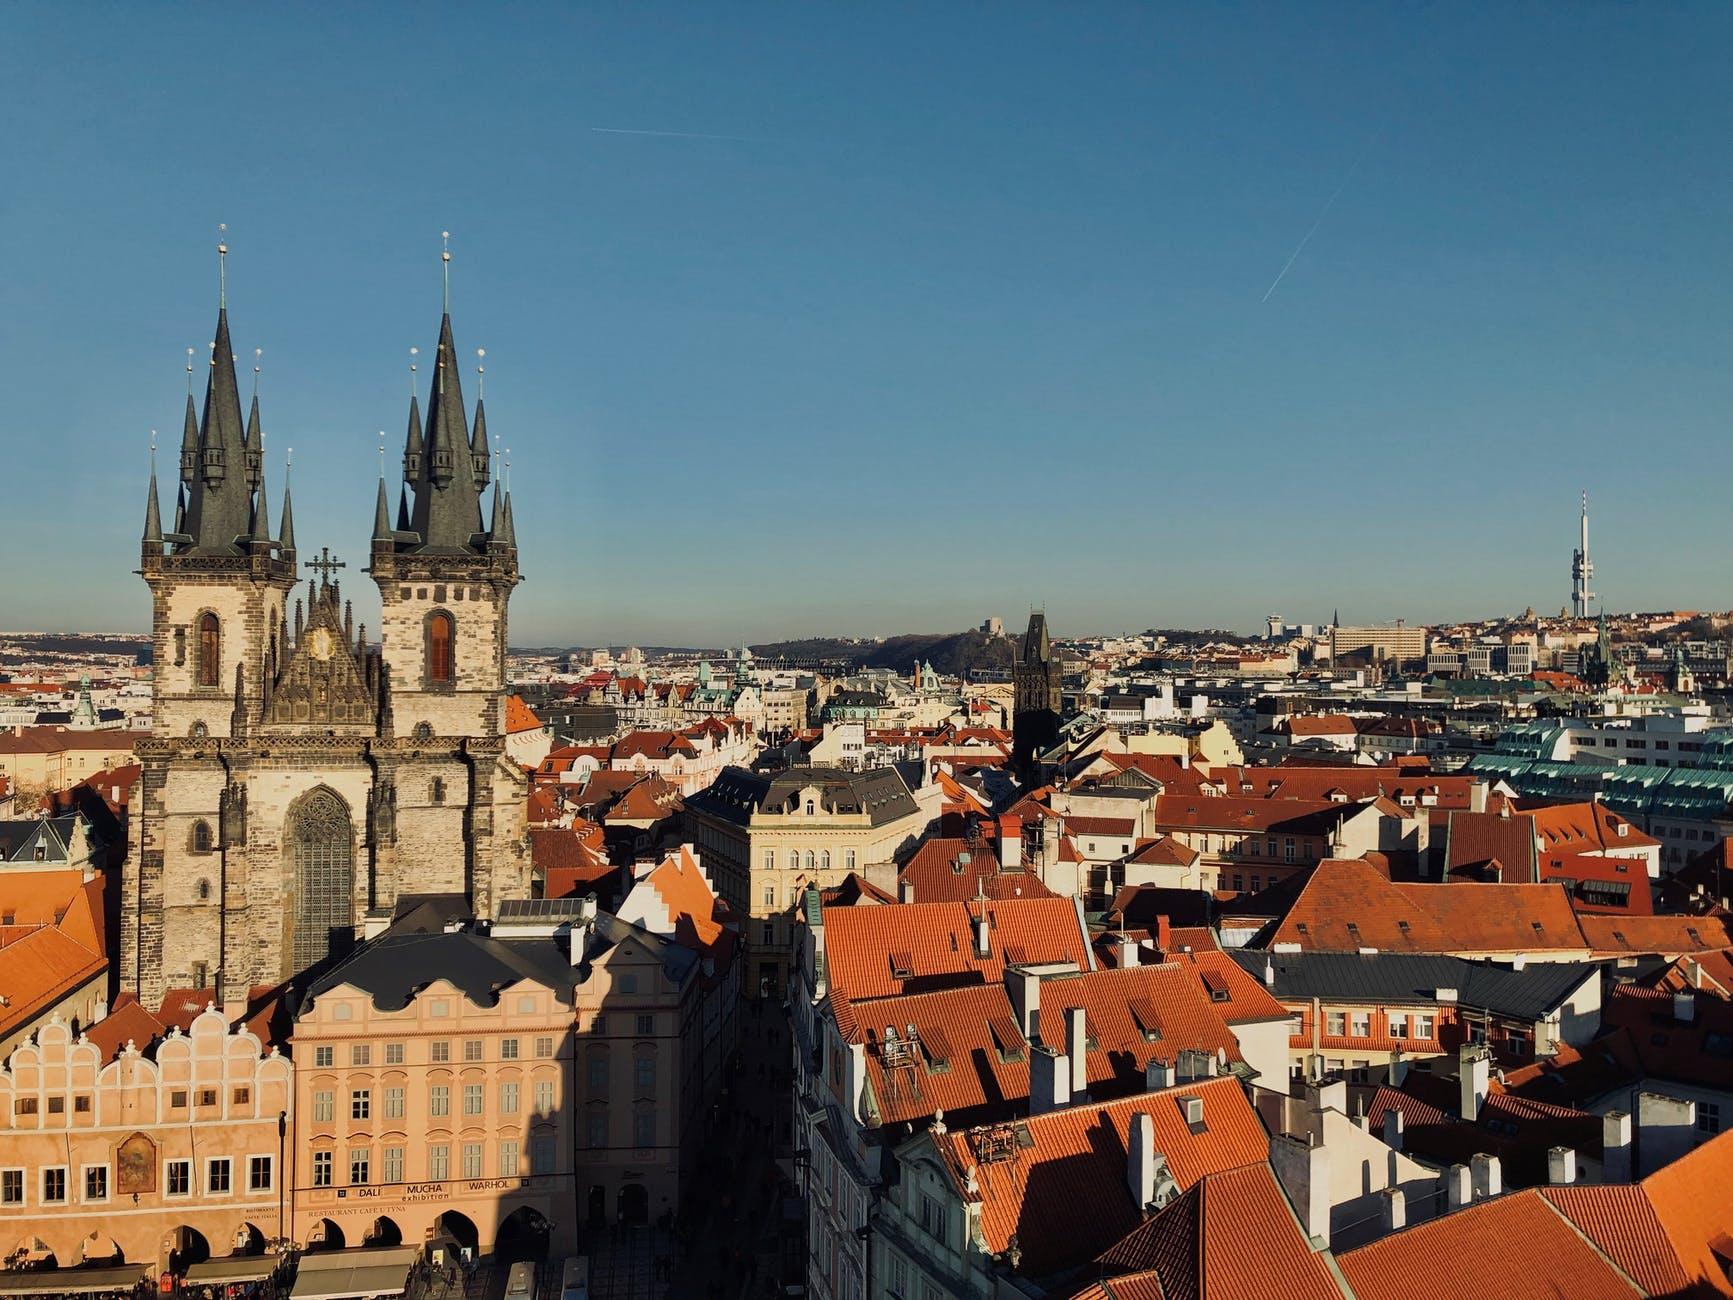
x: 321, y: 843
x: 441, y: 670
x: 210, y: 651
x: 201, y: 837
x: 204, y: 887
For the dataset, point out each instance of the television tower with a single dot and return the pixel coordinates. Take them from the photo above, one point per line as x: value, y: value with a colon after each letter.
x: 1582, y: 570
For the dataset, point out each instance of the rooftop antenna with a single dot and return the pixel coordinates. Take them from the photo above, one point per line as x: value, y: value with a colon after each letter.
x: 222, y: 265
x: 481, y: 373
x: 258, y: 356
x: 445, y: 258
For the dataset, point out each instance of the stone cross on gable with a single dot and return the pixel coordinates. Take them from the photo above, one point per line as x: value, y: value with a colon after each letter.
x: 325, y: 565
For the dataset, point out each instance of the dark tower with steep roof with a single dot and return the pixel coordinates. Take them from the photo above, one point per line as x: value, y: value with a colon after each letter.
x: 1036, y: 711
x: 445, y: 578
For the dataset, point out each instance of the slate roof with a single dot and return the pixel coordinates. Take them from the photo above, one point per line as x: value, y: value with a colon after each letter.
x: 395, y: 965
x: 737, y: 793
x: 1391, y: 977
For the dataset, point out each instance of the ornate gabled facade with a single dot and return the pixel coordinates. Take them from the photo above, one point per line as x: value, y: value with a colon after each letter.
x: 299, y: 776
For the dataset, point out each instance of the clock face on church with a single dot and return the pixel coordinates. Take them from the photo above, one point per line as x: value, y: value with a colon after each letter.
x: 321, y: 644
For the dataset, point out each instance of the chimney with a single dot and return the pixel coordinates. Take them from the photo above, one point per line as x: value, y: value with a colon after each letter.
x: 1684, y: 1006
x: 1077, y: 1049
x: 1393, y: 1126
x: 1159, y: 1074
x: 1269, y: 972
x: 1545, y: 1038
x: 1395, y: 1206
x: 1049, y: 1079
x: 1303, y: 1166
x: 1024, y: 988
x: 1140, y: 1161
x: 1127, y: 952
x: 1561, y: 1166
x: 906, y: 890
x: 1194, y: 1111
x: 1398, y: 1071
x: 1458, y: 1186
x: 1163, y: 936
x: 1010, y: 843
x: 982, y: 948
x: 1616, y: 1146
x: 1488, y: 1176
x: 1474, y: 1065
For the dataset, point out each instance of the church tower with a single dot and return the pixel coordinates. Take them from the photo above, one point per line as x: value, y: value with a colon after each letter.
x: 445, y: 577
x: 1037, y: 698
x: 299, y: 777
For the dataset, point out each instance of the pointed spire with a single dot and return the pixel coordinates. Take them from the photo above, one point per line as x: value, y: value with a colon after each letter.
x: 219, y: 508
x: 447, y: 497
x: 152, y: 514
x: 260, y: 528
x: 478, y: 453
x: 413, y: 447
x: 190, y: 440
x: 286, y: 533
x: 510, y: 524
x: 382, y: 515
x: 181, y: 510
x: 403, y: 510
x: 496, y: 533
x: 255, y: 445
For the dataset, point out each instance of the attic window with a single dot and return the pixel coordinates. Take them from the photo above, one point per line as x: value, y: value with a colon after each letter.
x: 902, y: 965
x: 1148, y: 1023
x: 1537, y: 927
x: 1402, y: 926
x: 1217, y: 986
x: 1301, y: 928
x: 936, y: 1048
x: 1006, y: 1040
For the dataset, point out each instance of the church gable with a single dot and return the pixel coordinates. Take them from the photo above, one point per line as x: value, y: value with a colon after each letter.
x: 328, y: 676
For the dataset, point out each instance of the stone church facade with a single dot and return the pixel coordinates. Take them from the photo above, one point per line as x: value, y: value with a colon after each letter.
x: 300, y: 776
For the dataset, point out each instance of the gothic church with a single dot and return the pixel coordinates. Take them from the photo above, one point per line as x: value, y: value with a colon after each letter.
x: 299, y: 776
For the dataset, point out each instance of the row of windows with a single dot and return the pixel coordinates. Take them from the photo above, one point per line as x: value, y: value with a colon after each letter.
x: 1358, y: 1024
x: 220, y: 1172
x: 177, y: 1100
x: 438, y: 1052
x: 441, y: 641
x: 819, y: 861
x: 472, y: 1162
x: 438, y: 1100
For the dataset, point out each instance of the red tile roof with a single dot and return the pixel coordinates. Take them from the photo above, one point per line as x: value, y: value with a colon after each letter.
x: 519, y: 717
x: 1667, y: 936
x: 951, y: 870
x: 1061, y: 1187
x: 1622, y: 1223
x: 1352, y: 783
x: 1586, y: 826
x: 1516, y: 1247
x: 1231, y: 1236
x: 1693, y: 1199
x: 1348, y: 904
x: 940, y: 941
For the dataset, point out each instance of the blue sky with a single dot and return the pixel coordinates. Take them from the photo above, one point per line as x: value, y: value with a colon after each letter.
x: 931, y: 311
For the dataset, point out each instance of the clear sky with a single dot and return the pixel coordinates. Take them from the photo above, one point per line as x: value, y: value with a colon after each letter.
x: 869, y: 318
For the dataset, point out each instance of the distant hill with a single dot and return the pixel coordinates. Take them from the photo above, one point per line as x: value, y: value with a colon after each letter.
x: 951, y: 653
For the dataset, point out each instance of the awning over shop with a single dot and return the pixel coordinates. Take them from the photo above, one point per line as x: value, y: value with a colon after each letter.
x: 234, y: 1268
x: 353, y: 1274
x: 71, y: 1281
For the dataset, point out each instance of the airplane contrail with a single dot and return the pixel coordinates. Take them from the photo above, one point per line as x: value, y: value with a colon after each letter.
x: 673, y: 135
x: 1301, y: 246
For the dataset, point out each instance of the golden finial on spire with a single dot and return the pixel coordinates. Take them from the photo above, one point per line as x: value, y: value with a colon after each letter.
x: 481, y: 372
x: 222, y: 265
x: 382, y: 453
x: 258, y: 356
x: 445, y: 268
x: 189, y: 372
x: 153, y: 451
